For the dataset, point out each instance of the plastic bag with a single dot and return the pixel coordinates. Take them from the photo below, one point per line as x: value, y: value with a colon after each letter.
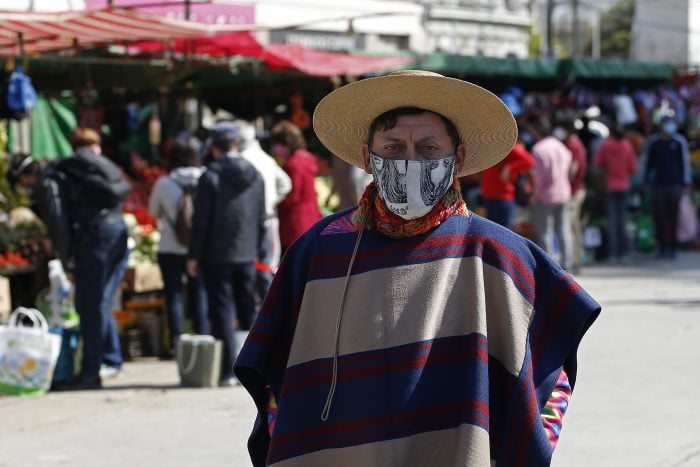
x: 28, y: 354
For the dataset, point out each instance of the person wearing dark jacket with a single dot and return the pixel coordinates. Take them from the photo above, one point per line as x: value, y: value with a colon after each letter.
x: 80, y: 199
x: 227, y: 238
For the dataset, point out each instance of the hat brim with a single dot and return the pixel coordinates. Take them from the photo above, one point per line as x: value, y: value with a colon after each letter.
x: 485, y: 124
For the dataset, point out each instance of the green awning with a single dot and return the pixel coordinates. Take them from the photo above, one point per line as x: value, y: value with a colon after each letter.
x: 615, y: 69
x: 539, y: 68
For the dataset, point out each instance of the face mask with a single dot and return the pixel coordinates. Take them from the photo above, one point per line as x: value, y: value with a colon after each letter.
x: 669, y: 128
x: 411, y: 189
x: 280, y: 150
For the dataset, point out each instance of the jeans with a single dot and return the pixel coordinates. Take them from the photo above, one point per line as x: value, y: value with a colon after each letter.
x: 112, y: 351
x: 173, y: 270
x: 550, y: 220
x: 575, y: 208
x: 97, y: 260
x: 616, y: 208
x: 500, y: 211
x: 231, y: 292
x: 665, y: 206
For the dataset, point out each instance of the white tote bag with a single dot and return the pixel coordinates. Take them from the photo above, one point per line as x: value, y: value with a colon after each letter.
x: 28, y: 354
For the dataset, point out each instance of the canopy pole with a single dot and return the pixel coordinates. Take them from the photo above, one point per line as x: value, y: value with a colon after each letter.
x: 188, y: 4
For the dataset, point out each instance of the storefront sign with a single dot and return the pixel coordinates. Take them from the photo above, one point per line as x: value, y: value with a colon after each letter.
x: 335, y: 42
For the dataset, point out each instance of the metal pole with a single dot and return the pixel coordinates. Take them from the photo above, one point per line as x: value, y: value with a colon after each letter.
x: 595, y: 35
x: 550, y: 48
x: 575, y: 30
x: 187, y: 9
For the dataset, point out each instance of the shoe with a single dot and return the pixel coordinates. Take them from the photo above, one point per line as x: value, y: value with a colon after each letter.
x: 229, y: 382
x: 108, y: 371
x: 77, y: 384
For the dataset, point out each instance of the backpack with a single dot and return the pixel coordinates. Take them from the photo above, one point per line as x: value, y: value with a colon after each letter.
x: 95, y: 180
x: 184, y: 210
x: 19, y: 96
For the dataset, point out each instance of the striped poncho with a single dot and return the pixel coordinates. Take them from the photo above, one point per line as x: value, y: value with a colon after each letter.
x: 451, y: 343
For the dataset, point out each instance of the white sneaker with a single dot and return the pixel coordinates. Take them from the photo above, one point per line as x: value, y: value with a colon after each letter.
x: 108, y: 372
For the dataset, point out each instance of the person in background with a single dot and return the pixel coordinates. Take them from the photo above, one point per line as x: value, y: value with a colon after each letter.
x: 184, y: 173
x: 83, y: 214
x: 550, y: 210
x: 26, y: 172
x: 277, y: 186
x: 497, y: 184
x: 299, y: 209
x: 617, y: 160
x: 566, y: 133
x: 228, y: 237
x: 409, y: 330
x: 668, y: 174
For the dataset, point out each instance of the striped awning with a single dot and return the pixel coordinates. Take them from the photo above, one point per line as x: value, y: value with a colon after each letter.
x: 45, y: 32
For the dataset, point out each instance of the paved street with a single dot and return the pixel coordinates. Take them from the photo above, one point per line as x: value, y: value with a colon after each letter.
x: 635, y: 402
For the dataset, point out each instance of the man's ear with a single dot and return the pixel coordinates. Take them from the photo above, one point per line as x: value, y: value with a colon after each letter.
x: 365, y: 157
x: 460, y: 157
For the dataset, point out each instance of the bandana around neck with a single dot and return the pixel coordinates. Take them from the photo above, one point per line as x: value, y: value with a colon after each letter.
x: 382, y: 220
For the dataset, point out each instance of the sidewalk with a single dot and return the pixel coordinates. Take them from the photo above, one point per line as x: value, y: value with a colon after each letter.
x: 635, y: 401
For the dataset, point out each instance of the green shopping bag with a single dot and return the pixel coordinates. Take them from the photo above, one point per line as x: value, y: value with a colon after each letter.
x: 644, y: 234
x: 28, y: 354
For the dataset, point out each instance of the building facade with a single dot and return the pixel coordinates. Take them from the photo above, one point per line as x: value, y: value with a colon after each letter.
x: 667, y: 31
x: 496, y: 28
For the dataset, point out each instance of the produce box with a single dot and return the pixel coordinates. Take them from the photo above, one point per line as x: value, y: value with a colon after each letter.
x: 5, y: 302
x: 143, y: 278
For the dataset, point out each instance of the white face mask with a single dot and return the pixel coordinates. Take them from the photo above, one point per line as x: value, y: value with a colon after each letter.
x: 410, y: 189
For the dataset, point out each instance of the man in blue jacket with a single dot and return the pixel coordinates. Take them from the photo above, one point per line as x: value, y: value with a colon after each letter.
x: 668, y: 174
x: 227, y: 238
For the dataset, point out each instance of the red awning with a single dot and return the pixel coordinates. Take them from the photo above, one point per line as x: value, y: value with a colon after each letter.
x: 276, y: 56
x: 44, y: 32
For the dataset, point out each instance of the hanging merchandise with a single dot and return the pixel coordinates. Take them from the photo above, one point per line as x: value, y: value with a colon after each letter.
x: 20, y: 96
x: 154, y: 129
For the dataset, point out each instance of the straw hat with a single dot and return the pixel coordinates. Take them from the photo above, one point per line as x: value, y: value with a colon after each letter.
x: 485, y: 125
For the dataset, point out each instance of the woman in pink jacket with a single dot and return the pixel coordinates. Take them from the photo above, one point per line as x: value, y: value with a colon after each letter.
x: 616, y: 158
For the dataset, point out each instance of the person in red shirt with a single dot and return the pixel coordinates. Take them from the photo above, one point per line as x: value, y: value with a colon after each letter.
x: 616, y: 157
x: 299, y: 209
x: 497, y: 184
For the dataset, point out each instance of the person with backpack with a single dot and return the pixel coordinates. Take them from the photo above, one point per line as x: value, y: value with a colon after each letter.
x: 80, y: 200
x: 228, y: 236
x: 26, y: 172
x: 172, y: 203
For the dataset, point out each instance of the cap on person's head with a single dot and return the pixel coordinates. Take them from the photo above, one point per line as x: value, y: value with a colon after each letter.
x: 485, y: 124
x: 224, y: 136
x: 84, y: 136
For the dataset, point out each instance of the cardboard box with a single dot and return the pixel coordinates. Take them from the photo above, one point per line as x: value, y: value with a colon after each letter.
x: 5, y: 301
x: 143, y: 278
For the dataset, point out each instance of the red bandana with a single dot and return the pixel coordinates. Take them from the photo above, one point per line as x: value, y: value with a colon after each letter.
x: 382, y: 220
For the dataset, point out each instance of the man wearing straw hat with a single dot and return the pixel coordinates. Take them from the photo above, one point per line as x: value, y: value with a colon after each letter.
x: 408, y: 330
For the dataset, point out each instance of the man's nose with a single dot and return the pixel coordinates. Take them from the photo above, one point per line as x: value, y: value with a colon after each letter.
x: 411, y: 153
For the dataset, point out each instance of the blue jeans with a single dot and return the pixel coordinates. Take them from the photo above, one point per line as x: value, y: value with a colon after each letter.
x: 173, y: 270
x: 112, y: 351
x: 500, y: 211
x: 616, y: 208
x: 97, y: 260
x: 231, y: 292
